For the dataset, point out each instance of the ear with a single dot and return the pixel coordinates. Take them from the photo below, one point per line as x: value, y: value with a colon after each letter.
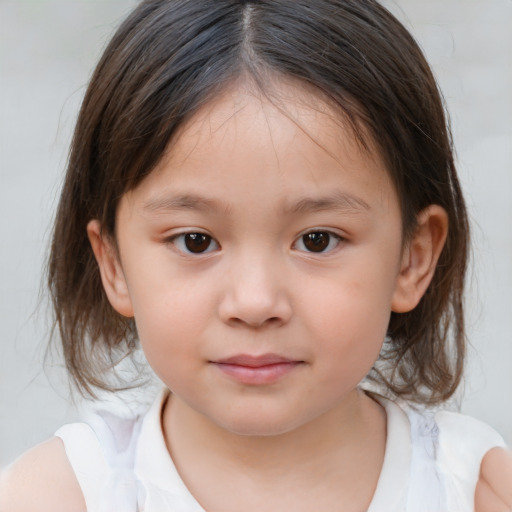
x: 420, y: 258
x: 112, y: 276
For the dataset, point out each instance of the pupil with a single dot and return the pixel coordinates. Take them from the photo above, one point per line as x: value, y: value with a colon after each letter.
x: 316, y: 242
x: 197, y: 242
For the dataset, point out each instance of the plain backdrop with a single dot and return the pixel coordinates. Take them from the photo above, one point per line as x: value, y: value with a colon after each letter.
x: 48, y: 49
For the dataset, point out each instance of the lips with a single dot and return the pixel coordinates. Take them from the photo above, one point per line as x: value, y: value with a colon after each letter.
x: 256, y: 370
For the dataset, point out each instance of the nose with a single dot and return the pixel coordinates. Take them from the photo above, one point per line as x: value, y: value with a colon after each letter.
x: 255, y: 294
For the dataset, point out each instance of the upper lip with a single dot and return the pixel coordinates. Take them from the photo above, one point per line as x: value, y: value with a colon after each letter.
x: 255, y: 361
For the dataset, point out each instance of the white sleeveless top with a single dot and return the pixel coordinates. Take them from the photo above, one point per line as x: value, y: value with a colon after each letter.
x: 431, y: 462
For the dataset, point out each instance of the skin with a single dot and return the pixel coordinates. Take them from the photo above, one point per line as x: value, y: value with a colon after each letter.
x: 254, y: 177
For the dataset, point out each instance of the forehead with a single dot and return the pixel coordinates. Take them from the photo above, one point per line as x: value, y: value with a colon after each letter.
x: 282, y: 108
x: 288, y: 141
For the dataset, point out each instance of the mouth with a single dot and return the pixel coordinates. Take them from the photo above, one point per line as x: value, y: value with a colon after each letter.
x: 257, y: 370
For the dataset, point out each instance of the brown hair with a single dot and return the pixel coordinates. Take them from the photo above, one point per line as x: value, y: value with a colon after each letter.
x: 169, y: 58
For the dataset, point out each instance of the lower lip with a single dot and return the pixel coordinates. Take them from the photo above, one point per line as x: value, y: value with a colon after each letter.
x: 257, y: 375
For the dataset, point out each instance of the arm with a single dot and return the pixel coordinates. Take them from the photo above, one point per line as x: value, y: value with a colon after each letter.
x: 494, y: 488
x: 41, y: 480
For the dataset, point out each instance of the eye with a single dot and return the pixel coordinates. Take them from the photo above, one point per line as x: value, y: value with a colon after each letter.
x: 194, y: 243
x: 318, y: 242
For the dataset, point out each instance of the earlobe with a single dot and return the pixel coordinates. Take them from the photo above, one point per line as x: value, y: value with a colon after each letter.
x: 112, y: 275
x: 420, y: 258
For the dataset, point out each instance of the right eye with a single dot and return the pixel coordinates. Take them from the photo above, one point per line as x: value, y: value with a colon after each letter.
x: 194, y: 243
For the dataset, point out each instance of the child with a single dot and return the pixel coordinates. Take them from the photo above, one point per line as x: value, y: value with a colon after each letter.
x: 261, y: 193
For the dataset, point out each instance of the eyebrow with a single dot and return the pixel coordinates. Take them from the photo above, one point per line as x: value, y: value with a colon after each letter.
x: 341, y: 201
x: 182, y: 202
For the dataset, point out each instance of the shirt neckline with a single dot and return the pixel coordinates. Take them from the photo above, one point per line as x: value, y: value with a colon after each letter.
x: 154, y: 465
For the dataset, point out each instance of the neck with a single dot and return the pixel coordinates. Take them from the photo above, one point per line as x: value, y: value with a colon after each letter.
x: 336, y: 445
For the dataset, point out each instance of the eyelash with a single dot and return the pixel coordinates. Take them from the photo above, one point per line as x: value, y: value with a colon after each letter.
x: 322, y: 239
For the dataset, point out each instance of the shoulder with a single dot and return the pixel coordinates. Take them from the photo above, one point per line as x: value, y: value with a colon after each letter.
x: 447, y: 450
x: 463, y: 444
x: 41, y: 480
x: 464, y: 434
x: 457, y: 438
x: 453, y: 430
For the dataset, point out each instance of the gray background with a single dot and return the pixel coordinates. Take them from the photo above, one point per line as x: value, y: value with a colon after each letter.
x: 47, y: 51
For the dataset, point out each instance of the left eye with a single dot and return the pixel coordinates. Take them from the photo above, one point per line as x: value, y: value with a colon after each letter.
x: 318, y: 242
x: 195, y: 243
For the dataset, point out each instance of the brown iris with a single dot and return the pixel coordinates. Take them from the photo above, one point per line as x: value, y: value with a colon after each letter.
x: 197, y: 242
x: 317, y: 241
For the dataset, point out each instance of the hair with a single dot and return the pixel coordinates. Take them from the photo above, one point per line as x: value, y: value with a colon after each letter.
x: 171, y: 57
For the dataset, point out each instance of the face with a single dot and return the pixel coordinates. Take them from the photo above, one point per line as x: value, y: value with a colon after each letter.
x: 260, y: 260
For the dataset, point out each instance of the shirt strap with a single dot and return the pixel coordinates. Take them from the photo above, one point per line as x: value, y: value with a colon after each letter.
x: 101, y: 453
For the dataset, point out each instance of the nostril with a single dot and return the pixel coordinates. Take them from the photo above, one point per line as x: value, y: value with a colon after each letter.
x: 272, y: 322
x: 255, y: 324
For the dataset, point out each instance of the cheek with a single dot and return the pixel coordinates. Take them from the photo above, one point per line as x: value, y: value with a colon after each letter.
x: 171, y: 316
x: 353, y: 304
x: 349, y: 319
x: 169, y: 339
